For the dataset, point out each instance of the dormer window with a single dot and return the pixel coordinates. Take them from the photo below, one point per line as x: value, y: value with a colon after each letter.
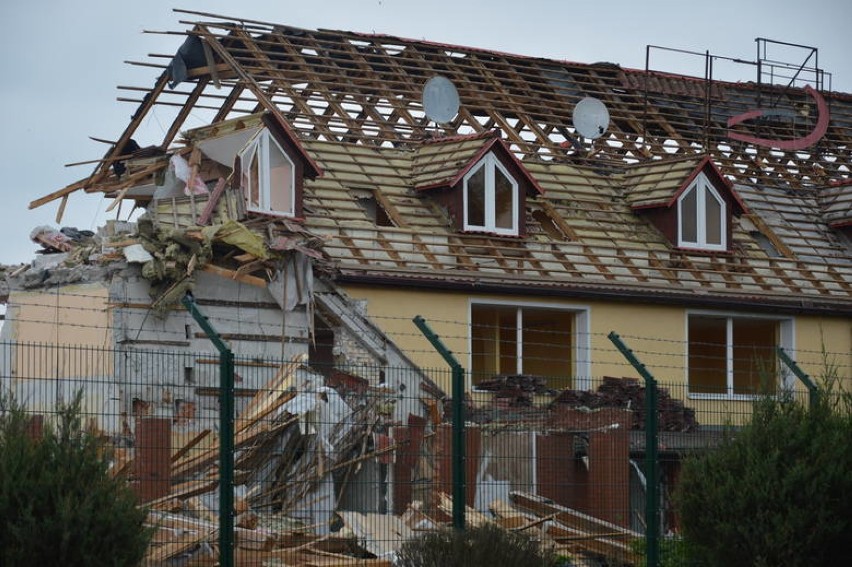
x: 268, y: 176
x: 688, y: 200
x: 269, y: 162
x: 702, y: 216
x: 490, y: 198
x: 478, y: 181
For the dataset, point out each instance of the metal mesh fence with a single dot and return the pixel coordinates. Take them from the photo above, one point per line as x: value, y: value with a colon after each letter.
x: 338, y: 464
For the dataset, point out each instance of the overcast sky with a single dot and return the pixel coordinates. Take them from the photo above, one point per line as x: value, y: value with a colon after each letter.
x: 60, y: 64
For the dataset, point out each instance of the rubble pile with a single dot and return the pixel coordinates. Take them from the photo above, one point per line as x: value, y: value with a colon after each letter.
x: 169, y: 253
x: 515, y: 390
x: 299, y: 447
x: 297, y: 443
x: 628, y: 393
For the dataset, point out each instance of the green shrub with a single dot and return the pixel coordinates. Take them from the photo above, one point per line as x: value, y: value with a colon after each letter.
x: 485, y: 546
x: 673, y: 552
x: 58, y: 504
x: 779, y: 492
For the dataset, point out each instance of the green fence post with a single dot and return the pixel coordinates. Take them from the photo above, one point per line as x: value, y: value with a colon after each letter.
x: 813, y: 390
x: 458, y: 421
x: 226, y: 434
x: 652, y: 498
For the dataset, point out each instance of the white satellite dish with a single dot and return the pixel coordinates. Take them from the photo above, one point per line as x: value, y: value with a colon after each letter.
x: 591, y: 118
x: 440, y: 99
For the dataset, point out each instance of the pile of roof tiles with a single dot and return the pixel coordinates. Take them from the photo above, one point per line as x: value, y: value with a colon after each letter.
x: 628, y: 393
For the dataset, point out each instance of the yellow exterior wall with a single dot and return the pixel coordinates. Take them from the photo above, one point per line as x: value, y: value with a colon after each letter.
x: 61, y: 343
x: 75, y: 317
x: 823, y: 342
x: 447, y: 315
x: 656, y: 333
x: 70, y: 315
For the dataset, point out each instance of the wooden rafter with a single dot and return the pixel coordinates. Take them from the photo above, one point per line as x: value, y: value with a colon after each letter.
x: 185, y: 111
x: 252, y: 85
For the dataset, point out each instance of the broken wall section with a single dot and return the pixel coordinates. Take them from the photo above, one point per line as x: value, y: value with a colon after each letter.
x: 183, y: 383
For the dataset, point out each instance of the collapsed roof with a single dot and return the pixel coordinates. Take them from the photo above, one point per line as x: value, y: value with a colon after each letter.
x: 350, y: 104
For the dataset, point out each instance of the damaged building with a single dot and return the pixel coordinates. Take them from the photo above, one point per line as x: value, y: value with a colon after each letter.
x: 327, y: 201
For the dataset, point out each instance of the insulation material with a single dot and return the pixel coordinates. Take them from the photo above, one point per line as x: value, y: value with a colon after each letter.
x: 236, y: 234
x: 136, y: 254
x: 323, y: 413
x: 224, y: 149
x: 170, y: 187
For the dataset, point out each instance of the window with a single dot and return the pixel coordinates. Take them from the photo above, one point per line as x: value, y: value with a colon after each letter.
x: 734, y: 355
x: 531, y: 340
x: 701, y: 217
x: 490, y: 198
x: 268, y: 176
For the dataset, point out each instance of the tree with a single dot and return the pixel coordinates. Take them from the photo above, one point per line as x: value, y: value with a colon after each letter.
x: 777, y: 492
x: 58, y: 504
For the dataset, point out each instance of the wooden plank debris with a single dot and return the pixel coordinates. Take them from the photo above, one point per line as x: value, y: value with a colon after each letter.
x: 278, y: 465
x: 587, y: 532
x: 629, y: 393
x: 284, y: 511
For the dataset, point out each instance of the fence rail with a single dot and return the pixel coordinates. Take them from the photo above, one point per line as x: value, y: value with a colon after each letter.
x: 346, y: 463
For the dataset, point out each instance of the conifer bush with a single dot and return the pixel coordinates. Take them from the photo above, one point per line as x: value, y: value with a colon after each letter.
x: 778, y: 492
x: 58, y: 504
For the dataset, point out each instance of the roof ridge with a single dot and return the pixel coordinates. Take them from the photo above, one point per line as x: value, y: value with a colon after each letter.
x: 458, y: 138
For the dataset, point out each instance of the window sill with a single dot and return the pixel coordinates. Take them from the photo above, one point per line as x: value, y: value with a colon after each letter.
x: 490, y: 234
x: 705, y: 251
x: 729, y: 397
x: 277, y: 214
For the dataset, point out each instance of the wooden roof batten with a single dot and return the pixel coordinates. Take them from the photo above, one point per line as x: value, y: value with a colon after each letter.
x: 352, y: 102
x: 388, y: 72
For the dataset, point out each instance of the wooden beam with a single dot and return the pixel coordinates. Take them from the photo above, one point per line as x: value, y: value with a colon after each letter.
x: 232, y: 274
x: 557, y: 219
x: 594, y: 534
x: 61, y: 211
x: 205, y: 215
x: 141, y: 112
x: 229, y: 103
x: 184, y: 111
x: 257, y: 91
x: 98, y: 174
x: 64, y: 192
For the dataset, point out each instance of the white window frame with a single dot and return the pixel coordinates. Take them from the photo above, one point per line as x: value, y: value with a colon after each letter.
x: 492, y: 164
x: 261, y: 141
x: 582, y: 337
x: 786, y: 339
x: 701, y: 185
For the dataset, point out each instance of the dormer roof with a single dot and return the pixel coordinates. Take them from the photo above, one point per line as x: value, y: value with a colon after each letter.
x: 660, y: 183
x: 443, y: 162
x: 244, y: 127
x: 836, y: 203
